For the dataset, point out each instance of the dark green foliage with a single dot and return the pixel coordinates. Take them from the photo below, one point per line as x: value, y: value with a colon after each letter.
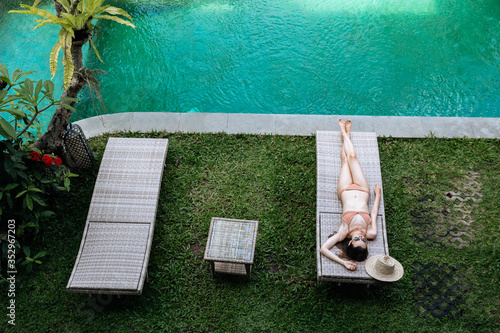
x: 29, y: 179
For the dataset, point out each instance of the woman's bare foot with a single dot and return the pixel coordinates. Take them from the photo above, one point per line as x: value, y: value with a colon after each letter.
x: 342, y: 126
x: 348, y: 125
x: 343, y: 131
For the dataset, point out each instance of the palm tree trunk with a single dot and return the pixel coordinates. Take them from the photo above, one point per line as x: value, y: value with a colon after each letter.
x: 51, y: 141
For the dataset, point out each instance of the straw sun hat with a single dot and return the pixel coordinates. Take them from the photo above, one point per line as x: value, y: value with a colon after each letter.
x: 384, y: 268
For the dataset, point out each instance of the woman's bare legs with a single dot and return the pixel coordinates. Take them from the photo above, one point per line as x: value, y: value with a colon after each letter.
x: 356, y: 173
x: 345, y: 178
x: 348, y: 125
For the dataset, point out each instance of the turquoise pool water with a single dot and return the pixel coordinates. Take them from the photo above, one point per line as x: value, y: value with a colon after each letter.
x: 355, y: 57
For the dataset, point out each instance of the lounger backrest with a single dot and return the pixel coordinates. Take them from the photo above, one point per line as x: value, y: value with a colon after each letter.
x: 128, y: 183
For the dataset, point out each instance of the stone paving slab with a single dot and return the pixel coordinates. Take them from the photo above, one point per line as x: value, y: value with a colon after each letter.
x: 283, y: 124
x: 202, y: 122
x: 155, y: 121
x: 301, y: 125
x: 98, y: 125
x: 485, y: 127
x: 400, y: 127
x: 250, y: 123
x: 448, y: 127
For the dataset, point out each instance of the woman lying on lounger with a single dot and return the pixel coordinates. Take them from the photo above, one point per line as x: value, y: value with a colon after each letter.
x: 353, y: 190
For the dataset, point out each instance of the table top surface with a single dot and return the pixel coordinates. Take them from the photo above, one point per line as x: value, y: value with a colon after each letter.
x: 231, y: 240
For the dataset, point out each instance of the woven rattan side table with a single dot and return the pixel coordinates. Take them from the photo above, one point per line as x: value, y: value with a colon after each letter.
x: 231, y: 246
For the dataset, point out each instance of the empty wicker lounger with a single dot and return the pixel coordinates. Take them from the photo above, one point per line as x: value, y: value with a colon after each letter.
x: 329, y: 207
x: 114, y: 252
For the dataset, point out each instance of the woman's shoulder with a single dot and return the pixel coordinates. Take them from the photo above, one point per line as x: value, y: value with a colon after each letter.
x: 343, y: 231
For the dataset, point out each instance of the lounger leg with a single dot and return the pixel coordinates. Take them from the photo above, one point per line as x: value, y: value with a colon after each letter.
x: 212, y: 269
x: 248, y: 268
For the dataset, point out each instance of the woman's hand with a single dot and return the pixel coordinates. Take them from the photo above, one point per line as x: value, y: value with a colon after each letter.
x: 377, y: 189
x: 350, y: 265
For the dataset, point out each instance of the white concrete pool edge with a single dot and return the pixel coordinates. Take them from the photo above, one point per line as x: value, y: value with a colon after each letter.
x: 288, y: 124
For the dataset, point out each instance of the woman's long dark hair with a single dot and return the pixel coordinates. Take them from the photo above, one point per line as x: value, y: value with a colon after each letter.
x: 357, y: 253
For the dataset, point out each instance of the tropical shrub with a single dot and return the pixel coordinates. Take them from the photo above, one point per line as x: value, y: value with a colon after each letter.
x: 76, y: 18
x: 29, y: 179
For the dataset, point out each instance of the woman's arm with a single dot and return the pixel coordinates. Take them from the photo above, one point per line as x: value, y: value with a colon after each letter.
x: 371, y: 233
x: 325, y: 250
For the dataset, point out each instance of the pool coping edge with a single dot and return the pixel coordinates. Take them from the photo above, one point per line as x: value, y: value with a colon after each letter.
x: 289, y: 124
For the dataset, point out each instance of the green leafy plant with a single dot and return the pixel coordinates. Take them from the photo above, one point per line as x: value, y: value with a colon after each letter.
x: 28, y: 261
x: 19, y: 110
x: 29, y: 179
x: 78, y: 16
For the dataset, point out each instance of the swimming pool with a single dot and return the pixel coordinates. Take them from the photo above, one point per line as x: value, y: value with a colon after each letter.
x: 355, y: 57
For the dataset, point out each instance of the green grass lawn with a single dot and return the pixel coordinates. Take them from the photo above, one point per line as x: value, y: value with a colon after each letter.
x: 272, y: 179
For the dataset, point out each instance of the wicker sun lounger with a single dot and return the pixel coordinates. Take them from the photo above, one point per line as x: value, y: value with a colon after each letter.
x: 114, y: 252
x: 329, y: 207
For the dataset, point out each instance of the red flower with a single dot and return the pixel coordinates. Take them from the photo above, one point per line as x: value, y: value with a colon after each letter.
x: 35, y: 156
x: 57, y: 161
x: 47, y: 160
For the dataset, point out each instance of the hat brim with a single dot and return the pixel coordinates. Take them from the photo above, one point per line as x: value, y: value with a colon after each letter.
x: 370, y: 269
